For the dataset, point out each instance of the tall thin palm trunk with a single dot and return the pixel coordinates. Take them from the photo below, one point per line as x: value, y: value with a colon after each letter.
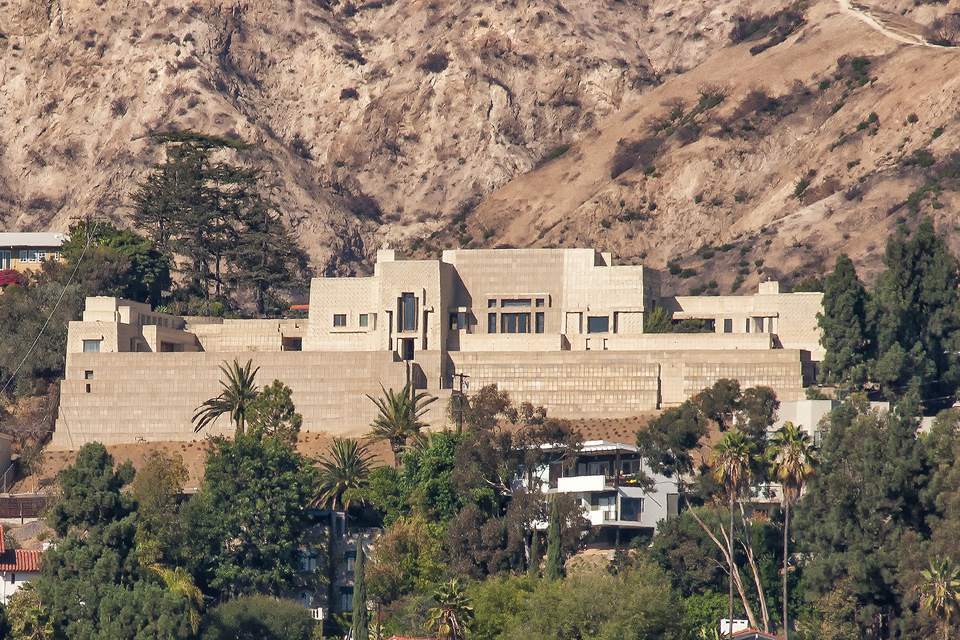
x: 730, y: 586
x: 786, y: 556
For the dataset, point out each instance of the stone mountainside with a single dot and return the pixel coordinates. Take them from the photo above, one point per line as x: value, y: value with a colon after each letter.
x: 632, y: 125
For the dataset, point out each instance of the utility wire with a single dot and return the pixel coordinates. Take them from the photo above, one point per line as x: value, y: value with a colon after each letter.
x: 90, y: 235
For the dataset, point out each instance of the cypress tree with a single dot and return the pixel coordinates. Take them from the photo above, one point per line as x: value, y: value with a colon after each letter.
x: 554, y: 550
x: 916, y: 306
x: 844, y: 326
x: 360, y: 627
x: 533, y: 568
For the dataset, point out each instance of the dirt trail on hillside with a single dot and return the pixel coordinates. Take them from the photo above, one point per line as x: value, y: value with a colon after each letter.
x: 864, y: 15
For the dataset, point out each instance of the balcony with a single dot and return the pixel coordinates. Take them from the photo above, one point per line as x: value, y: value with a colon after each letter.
x: 599, y: 482
x: 581, y: 484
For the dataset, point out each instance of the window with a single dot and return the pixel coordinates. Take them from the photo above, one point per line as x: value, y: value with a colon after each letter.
x: 514, y: 323
x: 308, y: 563
x: 339, y: 319
x: 407, y: 314
x: 728, y: 325
x: 91, y: 346
x: 458, y: 320
x: 346, y: 598
x: 491, y: 323
x: 515, y: 302
x: 539, y: 322
x: 491, y: 303
x: 351, y: 561
x: 364, y: 320
x: 6, y: 260
x: 539, y: 302
x: 88, y: 375
x: 598, y: 324
x: 597, y: 500
x: 631, y: 508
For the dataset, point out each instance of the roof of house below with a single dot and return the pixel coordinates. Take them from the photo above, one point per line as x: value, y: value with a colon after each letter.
x: 18, y: 560
x: 32, y: 239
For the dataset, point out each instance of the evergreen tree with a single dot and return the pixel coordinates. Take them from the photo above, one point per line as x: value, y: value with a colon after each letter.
x: 554, y: 549
x: 843, y: 323
x: 247, y: 526
x: 863, y: 507
x: 533, y: 566
x: 218, y: 220
x: 92, y: 584
x: 273, y: 414
x: 917, y: 309
x: 361, y: 617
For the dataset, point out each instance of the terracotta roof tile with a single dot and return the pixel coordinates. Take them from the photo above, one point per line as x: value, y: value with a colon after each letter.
x: 21, y: 560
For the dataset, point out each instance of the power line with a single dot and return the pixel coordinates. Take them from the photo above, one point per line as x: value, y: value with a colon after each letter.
x: 56, y: 306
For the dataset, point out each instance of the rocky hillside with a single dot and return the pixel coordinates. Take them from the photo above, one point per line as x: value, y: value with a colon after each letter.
x: 639, y: 126
x: 757, y: 164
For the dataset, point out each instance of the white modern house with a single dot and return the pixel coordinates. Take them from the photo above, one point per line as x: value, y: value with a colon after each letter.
x: 607, y: 477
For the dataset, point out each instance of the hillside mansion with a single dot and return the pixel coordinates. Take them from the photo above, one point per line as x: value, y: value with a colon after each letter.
x: 562, y: 328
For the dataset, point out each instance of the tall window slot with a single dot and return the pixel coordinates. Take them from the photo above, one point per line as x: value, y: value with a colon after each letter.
x: 407, y: 312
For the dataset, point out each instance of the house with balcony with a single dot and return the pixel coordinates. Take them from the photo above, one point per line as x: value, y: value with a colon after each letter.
x: 611, y: 481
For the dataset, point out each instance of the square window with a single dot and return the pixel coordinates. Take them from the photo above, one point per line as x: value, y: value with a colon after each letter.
x: 88, y: 375
x: 598, y: 324
x: 491, y: 303
x: 91, y: 346
x: 364, y: 320
x: 539, y: 302
x: 339, y: 319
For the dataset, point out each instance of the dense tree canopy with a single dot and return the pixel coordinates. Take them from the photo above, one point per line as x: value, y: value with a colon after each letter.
x: 248, y: 523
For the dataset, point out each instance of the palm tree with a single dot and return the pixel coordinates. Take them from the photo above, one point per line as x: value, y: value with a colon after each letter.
x: 453, y: 615
x: 793, y: 457
x: 239, y: 391
x: 399, y: 417
x: 344, y: 467
x: 733, y: 458
x: 940, y: 592
x: 179, y: 582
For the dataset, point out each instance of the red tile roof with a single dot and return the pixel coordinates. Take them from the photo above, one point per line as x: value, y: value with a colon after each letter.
x: 18, y: 559
x: 21, y: 560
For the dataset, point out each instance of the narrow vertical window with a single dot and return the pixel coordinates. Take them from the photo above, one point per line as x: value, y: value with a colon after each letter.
x: 539, y: 322
x: 407, y: 318
x: 491, y: 323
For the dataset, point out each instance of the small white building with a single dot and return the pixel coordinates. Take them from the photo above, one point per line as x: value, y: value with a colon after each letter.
x: 607, y: 477
x: 17, y: 567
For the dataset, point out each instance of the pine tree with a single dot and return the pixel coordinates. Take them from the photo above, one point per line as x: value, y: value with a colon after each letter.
x: 554, y: 549
x: 917, y: 310
x: 361, y: 617
x: 863, y: 507
x: 218, y: 222
x: 843, y: 322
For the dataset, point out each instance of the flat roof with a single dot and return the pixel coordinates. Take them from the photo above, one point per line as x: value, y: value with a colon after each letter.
x: 31, y: 239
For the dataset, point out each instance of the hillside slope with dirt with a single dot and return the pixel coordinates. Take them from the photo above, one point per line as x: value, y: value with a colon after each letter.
x: 755, y: 166
x: 637, y: 126
x: 377, y: 120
